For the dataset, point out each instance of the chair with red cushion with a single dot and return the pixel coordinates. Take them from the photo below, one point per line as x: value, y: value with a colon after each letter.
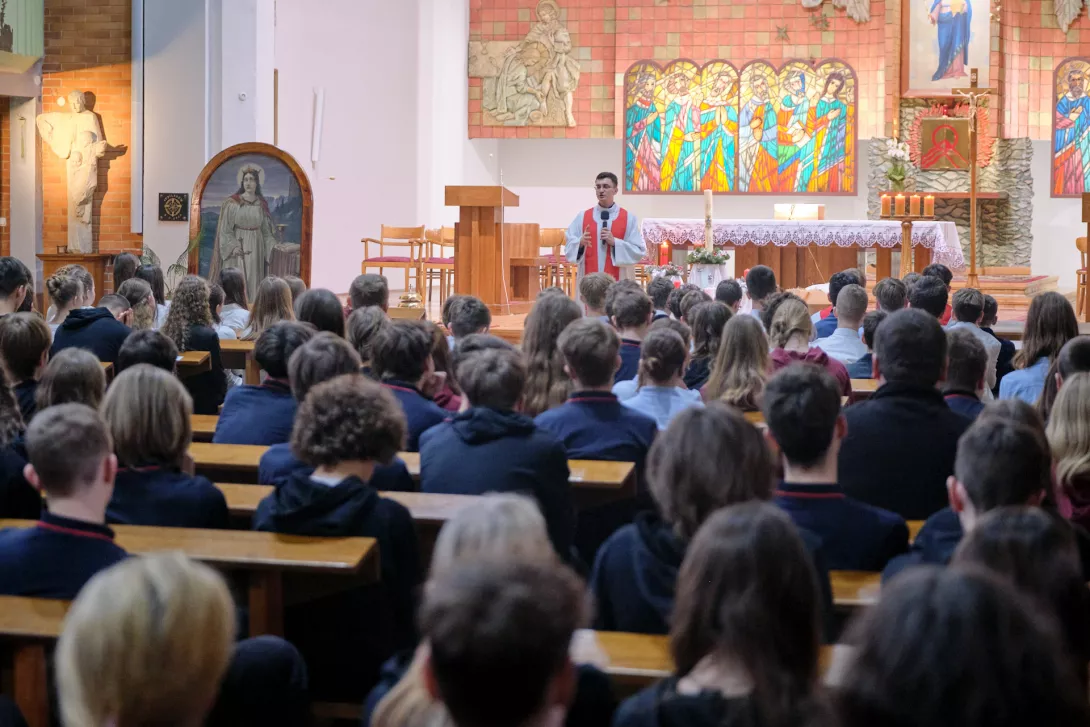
x: 437, y: 261
x: 405, y: 244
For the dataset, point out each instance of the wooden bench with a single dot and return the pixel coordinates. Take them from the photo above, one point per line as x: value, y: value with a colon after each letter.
x: 235, y: 354
x: 914, y: 527
x: 854, y: 588
x: 191, y: 363
x: 863, y: 388
x: 28, y: 626
x: 108, y: 369
x: 264, y: 558
x: 204, y: 426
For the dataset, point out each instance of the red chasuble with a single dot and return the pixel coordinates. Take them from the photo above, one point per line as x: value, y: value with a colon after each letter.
x: 591, y: 221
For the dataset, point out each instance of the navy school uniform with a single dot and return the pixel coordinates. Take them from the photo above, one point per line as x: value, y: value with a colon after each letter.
x: 25, y: 391
x: 262, y: 415
x: 94, y: 329
x: 1005, y: 363
x: 966, y: 403
x: 630, y: 360
x: 372, y: 621
x: 207, y: 388
x: 278, y: 463
x: 421, y: 413
x: 826, y: 326
x: 863, y: 368
x: 165, y: 497
x: 55, y: 558
x: 18, y: 498
x: 488, y: 450
x: 661, y: 705
x: 595, y: 425
x: 854, y: 535
x: 698, y: 373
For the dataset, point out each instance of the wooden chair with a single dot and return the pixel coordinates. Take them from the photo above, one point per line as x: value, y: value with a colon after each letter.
x: 1080, y: 281
x: 556, y: 270
x: 402, y: 239
x: 436, y: 264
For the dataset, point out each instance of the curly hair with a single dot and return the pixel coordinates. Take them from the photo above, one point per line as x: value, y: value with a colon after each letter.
x: 188, y: 308
x: 348, y: 418
x: 547, y: 385
x: 11, y: 419
x: 137, y: 291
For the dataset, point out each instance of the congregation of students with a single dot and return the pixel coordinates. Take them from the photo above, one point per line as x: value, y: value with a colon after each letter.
x: 754, y: 483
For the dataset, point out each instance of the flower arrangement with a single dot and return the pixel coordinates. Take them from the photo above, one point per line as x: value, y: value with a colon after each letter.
x: 666, y: 271
x: 703, y: 256
x: 898, y: 154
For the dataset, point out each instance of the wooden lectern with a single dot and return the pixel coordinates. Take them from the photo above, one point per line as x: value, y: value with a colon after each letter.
x: 490, y: 257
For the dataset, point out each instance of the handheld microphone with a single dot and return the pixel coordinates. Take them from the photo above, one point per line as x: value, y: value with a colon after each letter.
x: 605, y: 218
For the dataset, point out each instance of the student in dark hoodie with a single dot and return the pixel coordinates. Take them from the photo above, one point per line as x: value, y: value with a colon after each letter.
x: 344, y: 428
x: 24, y: 348
x: 189, y: 324
x: 1005, y: 363
x: 746, y: 631
x: 490, y: 447
x: 94, y: 329
x: 802, y: 409
x: 401, y: 358
x: 594, y: 424
x: 630, y: 313
x: 14, y: 283
x: 148, y: 412
x: 789, y: 334
x: 966, y: 367
x: 17, y: 498
x: 323, y: 357
x: 263, y: 414
x: 864, y: 367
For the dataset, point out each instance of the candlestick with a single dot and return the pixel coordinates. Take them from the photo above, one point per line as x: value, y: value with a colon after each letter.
x: 885, y: 205
x: 709, y: 235
x: 914, y: 205
x: 929, y: 206
x: 899, y: 205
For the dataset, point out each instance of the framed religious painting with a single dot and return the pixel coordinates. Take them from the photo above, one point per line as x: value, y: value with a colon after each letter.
x: 251, y: 209
x: 941, y: 41
x: 1070, y: 122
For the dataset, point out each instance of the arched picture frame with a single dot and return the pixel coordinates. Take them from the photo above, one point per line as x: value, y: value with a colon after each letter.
x: 252, y: 208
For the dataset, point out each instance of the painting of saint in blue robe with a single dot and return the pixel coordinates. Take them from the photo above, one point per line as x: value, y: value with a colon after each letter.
x: 952, y: 20
x: 1071, y: 142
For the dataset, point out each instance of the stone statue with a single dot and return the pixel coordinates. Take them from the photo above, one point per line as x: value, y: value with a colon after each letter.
x: 76, y: 136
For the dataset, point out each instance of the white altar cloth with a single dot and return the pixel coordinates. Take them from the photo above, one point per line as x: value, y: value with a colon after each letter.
x: 938, y: 236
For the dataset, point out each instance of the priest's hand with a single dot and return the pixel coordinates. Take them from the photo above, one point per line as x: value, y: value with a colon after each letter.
x: 585, y: 239
x: 607, y: 237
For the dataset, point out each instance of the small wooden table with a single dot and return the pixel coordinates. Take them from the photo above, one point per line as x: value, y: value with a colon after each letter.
x: 191, y: 363
x: 235, y: 354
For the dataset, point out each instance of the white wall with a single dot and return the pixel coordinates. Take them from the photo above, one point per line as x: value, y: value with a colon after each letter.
x: 1056, y: 224
x: 25, y: 221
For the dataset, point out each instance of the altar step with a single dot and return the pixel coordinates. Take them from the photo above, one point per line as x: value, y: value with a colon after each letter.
x: 1013, y: 288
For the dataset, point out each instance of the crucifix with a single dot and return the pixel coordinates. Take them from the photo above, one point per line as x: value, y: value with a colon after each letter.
x: 975, y: 95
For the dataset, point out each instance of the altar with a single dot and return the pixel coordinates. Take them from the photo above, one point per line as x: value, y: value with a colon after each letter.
x: 808, y: 252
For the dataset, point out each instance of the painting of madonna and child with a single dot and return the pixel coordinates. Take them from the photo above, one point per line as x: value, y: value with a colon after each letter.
x: 254, y: 215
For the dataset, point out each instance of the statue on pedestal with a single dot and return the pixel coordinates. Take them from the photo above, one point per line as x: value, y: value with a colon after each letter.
x: 76, y: 136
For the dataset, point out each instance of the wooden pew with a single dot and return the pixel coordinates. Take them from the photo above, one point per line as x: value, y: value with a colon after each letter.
x: 914, y: 527
x: 264, y: 558
x: 240, y: 355
x: 204, y: 427
x: 28, y: 626
x: 191, y: 363
x: 108, y: 369
x: 863, y: 388
x: 854, y: 588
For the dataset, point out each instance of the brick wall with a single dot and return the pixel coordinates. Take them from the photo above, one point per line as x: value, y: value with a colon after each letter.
x: 88, y: 47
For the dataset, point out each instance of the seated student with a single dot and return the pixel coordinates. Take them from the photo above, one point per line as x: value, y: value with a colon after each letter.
x: 24, y: 350
x: 966, y: 366
x: 658, y: 290
x: 14, y: 284
x: 322, y: 309
x: 296, y: 286
x: 272, y: 304
x: 627, y: 389
x: 361, y: 328
x: 490, y: 447
x: 891, y: 295
x: 401, y: 358
x: 999, y: 463
x: 690, y: 300
x: 760, y: 284
x: 215, y: 308
x: 1050, y: 323
x: 827, y: 320
x: 189, y: 325
x: 729, y: 293
x: 453, y: 300
x: 73, y: 376
x: 150, y: 347
x: 124, y: 267
x: 236, y: 303
x: 264, y: 414
x: 498, y: 637
x: 864, y: 367
x: 968, y: 307
x: 73, y: 466
x: 469, y: 316
x: 930, y: 295
x: 95, y: 329
x: 673, y: 302
x: 368, y: 290
x: 789, y: 334
x: 1005, y: 363
x: 910, y: 281
x: 65, y: 295
x: 802, y: 410
x: 139, y: 296
x: 844, y: 343
x: 447, y: 394
x: 662, y: 393
x: 547, y: 384
x: 345, y: 428
x: 741, y: 367
x: 630, y: 314
x: 1069, y: 437
x: 746, y: 630
x: 118, y: 306
x: 1073, y: 358
x: 706, y: 320
x: 592, y: 293
x: 153, y: 274
x: 17, y: 498
x: 706, y: 459
x: 901, y: 442
x: 148, y: 413
x: 942, y: 273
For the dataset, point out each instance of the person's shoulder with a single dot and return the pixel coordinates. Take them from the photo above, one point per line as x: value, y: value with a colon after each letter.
x: 435, y: 436
x: 554, y: 416
x: 642, y: 709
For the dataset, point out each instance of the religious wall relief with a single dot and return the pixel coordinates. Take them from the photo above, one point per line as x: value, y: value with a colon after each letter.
x: 529, y: 82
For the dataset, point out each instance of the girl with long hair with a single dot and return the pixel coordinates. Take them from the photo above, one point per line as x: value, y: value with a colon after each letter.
x: 1068, y: 433
x: 236, y: 305
x: 153, y: 275
x: 272, y: 304
x: 547, y: 385
x: 189, y: 325
x: 741, y: 367
x: 142, y: 302
x: 18, y: 499
x: 707, y: 321
x: 1050, y: 324
x: 662, y: 394
x: 789, y: 334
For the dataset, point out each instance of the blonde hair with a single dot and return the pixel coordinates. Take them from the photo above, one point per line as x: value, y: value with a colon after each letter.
x: 137, y: 291
x: 63, y: 288
x: 1069, y: 432
x: 793, y: 316
x: 146, y: 642
x: 500, y: 527
x: 188, y: 307
x: 73, y: 376
x: 272, y: 304
x: 148, y: 412
x: 740, y: 369
x: 80, y: 273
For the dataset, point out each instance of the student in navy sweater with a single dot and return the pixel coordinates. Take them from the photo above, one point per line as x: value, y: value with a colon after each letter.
x: 24, y: 348
x: 492, y: 448
x: 401, y: 358
x: 323, y: 357
x: 630, y: 312
x: 147, y: 347
x: 802, y: 409
x: 594, y: 424
x: 864, y: 367
x: 344, y: 428
x: 148, y: 412
x: 263, y: 414
x: 72, y: 464
x: 17, y: 498
x: 966, y: 368
x: 189, y: 325
x: 94, y: 329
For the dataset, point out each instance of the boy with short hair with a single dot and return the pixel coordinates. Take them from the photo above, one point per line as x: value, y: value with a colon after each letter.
x: 1005, y: 363
x: 498, y: 638
x: 826, y: 321
x: 24, y: 348
x: 72, y: 464
x: 631, y: 316
x: 469, y: 316
x: 968, y: 310
x: 673, y: 303
x: 345, y: 428
x: 930, y: 295
x: 368, y: 289
x: 490, y: 447
x: 729, y: 292
x: 941, y: 272
x: 802, y: 409
x: 592, y: 291
x: 264, y: 414
x: 760, y: 284
x: 891, y: 295
x: 843, y: 343
x: 119, y: 307
x: 691, y: 300
x: 401, y: 359
x: 967, y: 363
x: 864, y: 367
x: 95, y: 329
x: 658, y: 290
x: 150, y: 347
x: 15, y: 283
